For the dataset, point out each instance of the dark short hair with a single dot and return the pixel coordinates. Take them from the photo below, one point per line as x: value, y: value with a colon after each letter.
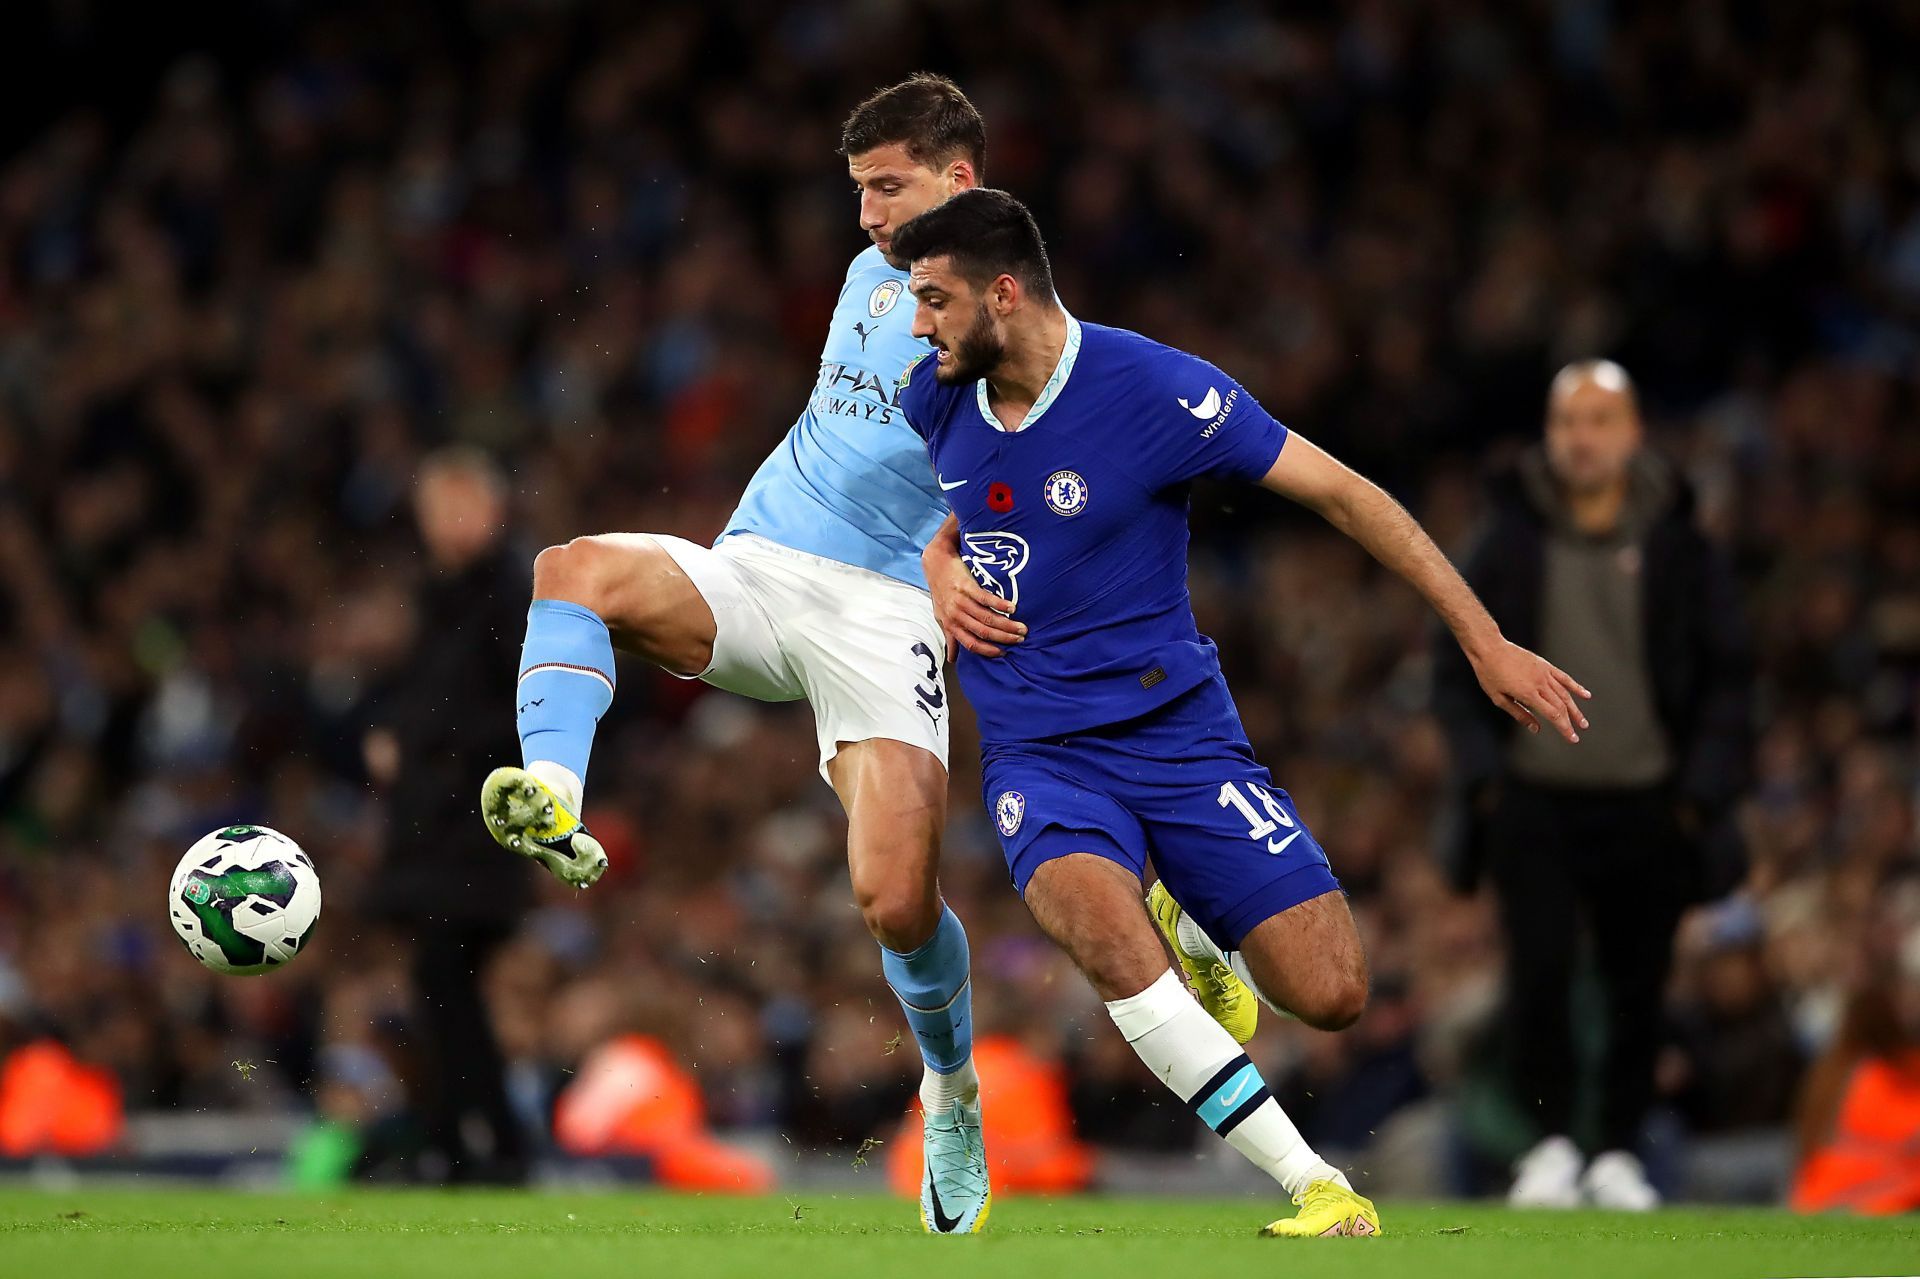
x: 987, y: 233
x: 925, y: 113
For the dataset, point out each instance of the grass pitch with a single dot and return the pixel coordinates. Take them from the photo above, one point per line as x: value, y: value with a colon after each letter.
x: 479, y: 1235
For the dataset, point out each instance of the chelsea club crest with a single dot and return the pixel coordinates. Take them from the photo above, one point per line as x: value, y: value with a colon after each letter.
x: 1009, y: 810
x: 1066, y: 493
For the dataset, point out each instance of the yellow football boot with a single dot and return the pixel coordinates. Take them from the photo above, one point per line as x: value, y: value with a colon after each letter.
x: 1227, y: 999
x: 525, y: 816
x: 1328, y: 1210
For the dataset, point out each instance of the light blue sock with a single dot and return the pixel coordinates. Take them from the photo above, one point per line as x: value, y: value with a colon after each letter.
x: 566, y: 683
x: 933, y: 986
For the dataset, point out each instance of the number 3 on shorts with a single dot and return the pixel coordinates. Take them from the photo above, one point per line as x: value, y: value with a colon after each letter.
x: 930, y: 699
x: 1258, y: 827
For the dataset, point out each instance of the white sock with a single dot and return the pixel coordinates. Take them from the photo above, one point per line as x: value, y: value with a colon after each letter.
x: 940, y: 1092
x: 1193, y: 1055
x: 1194, y: 940
x: 561, y: 780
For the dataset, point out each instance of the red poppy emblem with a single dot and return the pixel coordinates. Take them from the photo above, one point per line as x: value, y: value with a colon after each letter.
x: 1000, y: 496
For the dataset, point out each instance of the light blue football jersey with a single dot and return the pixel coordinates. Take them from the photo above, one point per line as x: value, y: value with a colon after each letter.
x: 851, y: 481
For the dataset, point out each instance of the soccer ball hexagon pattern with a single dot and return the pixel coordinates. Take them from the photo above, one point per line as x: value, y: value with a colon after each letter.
x: 244, y: 900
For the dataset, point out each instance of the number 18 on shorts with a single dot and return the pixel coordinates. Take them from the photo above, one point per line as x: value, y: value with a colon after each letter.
x: 1179, y: 785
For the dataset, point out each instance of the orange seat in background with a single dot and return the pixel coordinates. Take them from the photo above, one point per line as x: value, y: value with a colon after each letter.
x: 53, y: 1103
x: 1031, y: 1146
x: 1871, y: 1163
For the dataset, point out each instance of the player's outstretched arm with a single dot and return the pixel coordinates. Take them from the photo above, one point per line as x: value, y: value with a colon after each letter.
x: 1523, y: 684
x: 972, y: 617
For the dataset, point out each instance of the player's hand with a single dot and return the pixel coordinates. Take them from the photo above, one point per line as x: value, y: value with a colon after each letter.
x: 1531, y: 689
x: 971, y: 616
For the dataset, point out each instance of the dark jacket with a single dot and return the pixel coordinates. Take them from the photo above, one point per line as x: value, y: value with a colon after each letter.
x: 451, y: 705
x: 1699, y: 657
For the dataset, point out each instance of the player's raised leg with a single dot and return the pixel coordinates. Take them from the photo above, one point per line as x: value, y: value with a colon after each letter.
x: 895, y: 795
x: 1246, y: 892
x: 1306, y: 961
x: 588, y: 596
x: 1089, y: 903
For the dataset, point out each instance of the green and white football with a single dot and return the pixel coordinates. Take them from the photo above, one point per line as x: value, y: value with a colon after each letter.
x: 244, y: 900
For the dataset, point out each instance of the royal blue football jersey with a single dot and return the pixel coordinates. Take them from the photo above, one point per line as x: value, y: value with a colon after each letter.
x: 1080, y: 520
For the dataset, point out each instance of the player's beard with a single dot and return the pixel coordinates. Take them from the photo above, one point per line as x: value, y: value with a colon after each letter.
x: 977, y: 353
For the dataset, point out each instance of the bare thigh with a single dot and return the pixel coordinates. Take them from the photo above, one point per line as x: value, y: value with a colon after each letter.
x: 1092, y: 909
x: 646, y: 599
x: 1308, y: 959
x: 895, y: 795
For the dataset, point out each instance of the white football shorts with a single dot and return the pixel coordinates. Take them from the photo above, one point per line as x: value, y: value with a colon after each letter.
x: 861, y: 647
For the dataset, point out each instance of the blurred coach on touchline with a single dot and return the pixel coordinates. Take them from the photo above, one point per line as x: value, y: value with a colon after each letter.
x: 1590, y: 556
x: 459, y: 896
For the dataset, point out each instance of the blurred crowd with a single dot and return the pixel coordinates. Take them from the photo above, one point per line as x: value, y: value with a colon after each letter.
x: 243, y: 296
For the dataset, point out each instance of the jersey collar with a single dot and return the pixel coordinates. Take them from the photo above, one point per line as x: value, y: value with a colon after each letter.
x: 1048, y: 393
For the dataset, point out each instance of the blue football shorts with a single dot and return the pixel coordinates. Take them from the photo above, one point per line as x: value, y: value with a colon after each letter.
x: 1179, y: 784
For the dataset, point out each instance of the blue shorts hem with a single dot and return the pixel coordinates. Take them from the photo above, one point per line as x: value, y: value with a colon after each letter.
x: 1054, y: 842
x: 1231, y: 927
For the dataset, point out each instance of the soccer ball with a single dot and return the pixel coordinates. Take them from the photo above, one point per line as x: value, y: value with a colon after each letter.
x: 244, y: 900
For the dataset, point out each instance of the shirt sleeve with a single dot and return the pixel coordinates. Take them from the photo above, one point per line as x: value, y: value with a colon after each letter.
x: 1207, y: 424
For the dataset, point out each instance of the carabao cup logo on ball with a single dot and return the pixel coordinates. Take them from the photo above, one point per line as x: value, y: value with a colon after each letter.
x: 1009, y: 811
x: 1066, y: 493
x: 244, y: 900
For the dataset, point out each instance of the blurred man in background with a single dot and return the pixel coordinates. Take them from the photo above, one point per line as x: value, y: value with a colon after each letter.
x: 1590, y: 557
x: 441, y: 877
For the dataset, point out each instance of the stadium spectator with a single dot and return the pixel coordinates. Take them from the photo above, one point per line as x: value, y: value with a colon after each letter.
x: 1590, y: 555
x: 1859, y: 1117
x: 1733, y: 1068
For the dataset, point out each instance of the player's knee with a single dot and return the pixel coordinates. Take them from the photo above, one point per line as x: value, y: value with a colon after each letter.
x: 1339, y: 1001
x: 1348, y: 1001
x: 897, y: 913
x: 575, y: 571
x: 1117, y: 971
x: 620, y: 579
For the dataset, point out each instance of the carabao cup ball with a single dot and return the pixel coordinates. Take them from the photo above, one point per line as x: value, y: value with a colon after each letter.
x: 244, y: 900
